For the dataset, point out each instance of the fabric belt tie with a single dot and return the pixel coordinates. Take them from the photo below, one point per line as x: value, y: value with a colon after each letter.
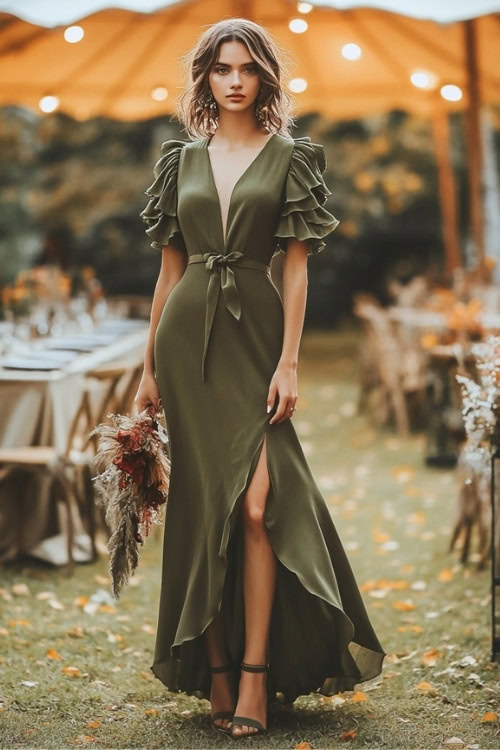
x: 222, y: 276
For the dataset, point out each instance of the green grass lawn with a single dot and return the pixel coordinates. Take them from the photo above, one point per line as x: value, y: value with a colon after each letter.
x: 70, y: 677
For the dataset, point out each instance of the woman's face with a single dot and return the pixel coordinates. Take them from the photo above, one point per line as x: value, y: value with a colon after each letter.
x: 235, y: 72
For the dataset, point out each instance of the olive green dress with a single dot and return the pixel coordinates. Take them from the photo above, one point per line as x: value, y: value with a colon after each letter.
x: 217, y: 346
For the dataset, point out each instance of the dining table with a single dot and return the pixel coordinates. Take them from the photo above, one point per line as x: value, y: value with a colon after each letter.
x: 41, y: 387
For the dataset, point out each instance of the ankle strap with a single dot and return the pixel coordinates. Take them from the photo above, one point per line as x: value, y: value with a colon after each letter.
x: 223, y: 668
x: 254, y: 667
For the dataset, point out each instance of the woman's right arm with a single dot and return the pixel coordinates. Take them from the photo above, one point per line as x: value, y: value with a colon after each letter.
x: 173, y: 265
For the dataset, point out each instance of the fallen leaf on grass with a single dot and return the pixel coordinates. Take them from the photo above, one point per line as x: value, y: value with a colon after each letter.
x: 80, y: 601
x: 303, y: 746
x: 114, y: 637
x: 358, y: 697
x: 413, y: 628
x: 430, y: 657
x: 76, y: 632
x: 405, y: 605
x: 44, y: 595
x: 426, y: 687
x: 84, y: 739
x: 350, y: 735
x: 380, y: 536
x: 403, y: 473
x: 20, y: 589
x: 16, y: 623
x: 454, y: 742
x: 148, y: 629
x: 55, y: 604
x: 52, y: 654
x: 417, y: 517
x: 102, y: 580
x: 489, y: 716
x: 152, y: 711
x: 73, y: 671
x: 445, y: 575
x: 93, y: 724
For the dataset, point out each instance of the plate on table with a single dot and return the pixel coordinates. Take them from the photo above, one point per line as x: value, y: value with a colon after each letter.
x: 72, y: 345
x: 61, y: 357
x: 20, y: 363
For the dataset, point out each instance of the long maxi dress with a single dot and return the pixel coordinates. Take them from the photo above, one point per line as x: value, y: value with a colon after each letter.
x: 217, y: 346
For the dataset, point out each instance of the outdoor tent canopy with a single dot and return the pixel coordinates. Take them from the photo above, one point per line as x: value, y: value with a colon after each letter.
x: 124, y: 56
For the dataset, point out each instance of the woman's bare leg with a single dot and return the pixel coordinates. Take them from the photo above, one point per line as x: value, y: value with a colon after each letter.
x: 259, y: 578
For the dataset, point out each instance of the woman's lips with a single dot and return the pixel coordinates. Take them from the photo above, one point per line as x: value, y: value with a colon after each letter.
x: 236, y: 97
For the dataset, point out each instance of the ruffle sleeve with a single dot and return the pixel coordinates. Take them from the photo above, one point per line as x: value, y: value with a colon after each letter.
x: 304, y: 216
x: 160, y: 213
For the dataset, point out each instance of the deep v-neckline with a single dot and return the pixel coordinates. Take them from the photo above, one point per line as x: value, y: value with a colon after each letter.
x: 236, y: 184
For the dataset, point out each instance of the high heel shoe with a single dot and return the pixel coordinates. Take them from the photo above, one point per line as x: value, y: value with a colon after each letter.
x: 247, y: 720
x: 221, y: 714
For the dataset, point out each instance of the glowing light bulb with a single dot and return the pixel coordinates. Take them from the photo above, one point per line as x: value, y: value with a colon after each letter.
x: 351, y: 51
x: 421, y: 79
x: 298, y: 25
x: 49, y: 103
x: 451, y: 93
x: 298, y: 85
x: 74, y: 34
x: 304, y: 7
x: 159, y: 93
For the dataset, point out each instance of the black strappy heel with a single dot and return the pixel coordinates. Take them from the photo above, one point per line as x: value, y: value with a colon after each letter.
x: 221, y: 714
x: 247, y: 720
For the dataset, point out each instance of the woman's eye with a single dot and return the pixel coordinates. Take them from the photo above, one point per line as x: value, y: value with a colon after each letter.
x: 247, y: 70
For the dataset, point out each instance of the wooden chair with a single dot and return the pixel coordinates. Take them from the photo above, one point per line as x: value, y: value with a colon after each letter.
x: 391, y: 369
x: 119, y: 381
x: 68, y: 470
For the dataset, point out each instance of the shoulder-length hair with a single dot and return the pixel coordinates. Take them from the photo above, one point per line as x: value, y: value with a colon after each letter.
x: 271, y: 62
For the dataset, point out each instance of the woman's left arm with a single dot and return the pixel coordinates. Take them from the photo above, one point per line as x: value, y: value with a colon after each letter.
x: 284, y: 381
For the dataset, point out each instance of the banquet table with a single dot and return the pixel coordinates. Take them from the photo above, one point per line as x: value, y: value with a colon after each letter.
x: 36, y: 408
x: 422, y: 318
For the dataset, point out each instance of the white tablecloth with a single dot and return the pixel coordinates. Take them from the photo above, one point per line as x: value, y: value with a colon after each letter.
x: 37, y: 408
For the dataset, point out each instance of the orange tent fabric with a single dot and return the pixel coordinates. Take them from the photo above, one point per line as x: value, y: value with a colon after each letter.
x: 125, y: 55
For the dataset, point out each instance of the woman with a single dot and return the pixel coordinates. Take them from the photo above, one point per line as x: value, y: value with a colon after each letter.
x: 257, y: 595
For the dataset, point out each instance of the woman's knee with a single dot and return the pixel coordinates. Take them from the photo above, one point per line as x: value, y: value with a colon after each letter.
x: 253, y: 514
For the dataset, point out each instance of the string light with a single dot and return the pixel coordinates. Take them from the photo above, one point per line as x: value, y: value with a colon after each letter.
x: 423, y: 80
x: 49, y: 103
x: 298, y: 85
x: 351, y: 51
x: 159, y: 93
x: 74, y: 34
x: 451, y: 93
x: 298, y: 25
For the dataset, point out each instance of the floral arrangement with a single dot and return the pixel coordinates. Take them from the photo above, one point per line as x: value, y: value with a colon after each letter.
x: 481, y: 401
x: 132, y: 486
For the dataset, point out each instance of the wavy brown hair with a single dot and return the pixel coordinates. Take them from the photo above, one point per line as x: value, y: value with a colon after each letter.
x: 271, y: 61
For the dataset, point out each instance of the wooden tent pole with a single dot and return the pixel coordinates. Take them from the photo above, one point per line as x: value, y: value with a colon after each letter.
x: 474, y: 147
x: 447, y: 189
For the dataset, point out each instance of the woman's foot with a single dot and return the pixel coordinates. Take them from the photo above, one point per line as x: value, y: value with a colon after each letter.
x: 222, y: 696
x: 252, y: 701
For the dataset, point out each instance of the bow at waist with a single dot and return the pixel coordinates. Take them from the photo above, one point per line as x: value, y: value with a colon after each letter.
x: 222, y: 277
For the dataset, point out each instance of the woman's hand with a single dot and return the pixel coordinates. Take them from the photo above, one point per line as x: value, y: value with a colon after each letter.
x: 147, y: 393
x: 283, y: 384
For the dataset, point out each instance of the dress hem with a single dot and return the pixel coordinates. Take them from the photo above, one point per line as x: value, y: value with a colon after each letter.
x: 344, y: 645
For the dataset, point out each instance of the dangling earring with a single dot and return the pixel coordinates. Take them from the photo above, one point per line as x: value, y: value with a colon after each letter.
x: 208, y: 107
x: 261, y: 114
x: 212, y: 109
